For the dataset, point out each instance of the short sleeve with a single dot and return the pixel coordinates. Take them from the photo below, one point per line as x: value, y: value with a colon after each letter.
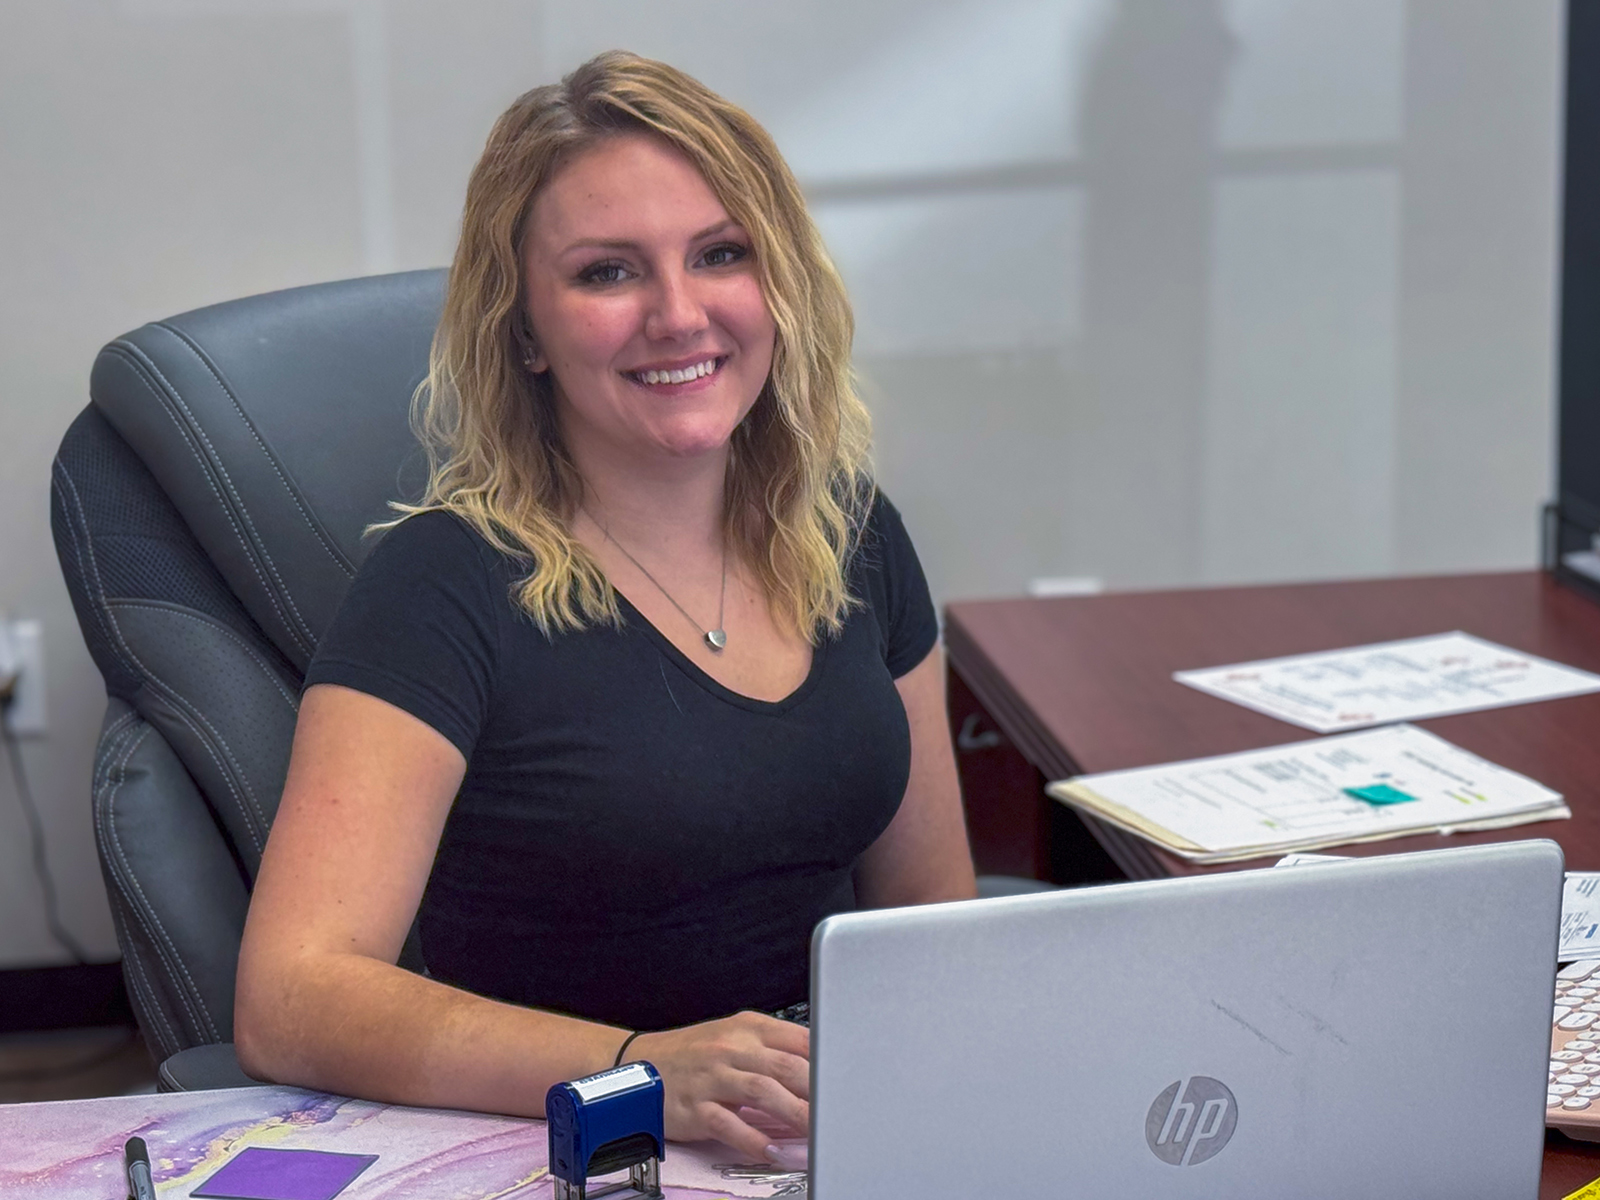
x: 418, y: 627
x: 897, y: 590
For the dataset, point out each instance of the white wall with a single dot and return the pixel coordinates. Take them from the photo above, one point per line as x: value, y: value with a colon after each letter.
x: 1159, y: 291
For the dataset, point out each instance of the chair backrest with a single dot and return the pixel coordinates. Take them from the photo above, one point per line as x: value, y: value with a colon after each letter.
x: 209, y: 508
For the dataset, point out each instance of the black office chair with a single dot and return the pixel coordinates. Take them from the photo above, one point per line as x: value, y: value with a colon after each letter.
x: 208, y: 509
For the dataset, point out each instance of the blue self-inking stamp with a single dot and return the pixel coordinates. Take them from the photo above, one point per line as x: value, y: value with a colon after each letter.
x: 612, y: 1121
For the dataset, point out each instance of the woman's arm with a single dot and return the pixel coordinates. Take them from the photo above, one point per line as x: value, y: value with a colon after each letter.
x: 923, y: 855
x: 321, y: 1003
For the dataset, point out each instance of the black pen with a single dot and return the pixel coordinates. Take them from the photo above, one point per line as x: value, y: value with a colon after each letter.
x: 137, y: 1160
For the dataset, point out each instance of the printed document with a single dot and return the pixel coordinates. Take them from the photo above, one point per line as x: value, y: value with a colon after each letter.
x: 1580, y: 916
x: 1293, y: 797
x: 1391, y: 681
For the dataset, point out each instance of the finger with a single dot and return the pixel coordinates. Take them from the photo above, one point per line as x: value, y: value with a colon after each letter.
x: 790, y: 1070
x: 771, y: 1097
x: 780, y: 1034
x: 721, y: 1123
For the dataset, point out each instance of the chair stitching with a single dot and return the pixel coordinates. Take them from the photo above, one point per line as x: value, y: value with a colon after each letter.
x: 106, y: 819
x: 152, y: 1002
x: 244, y: 511
x: 199, y: 999
x: 184, y: 614
x: 182, y: 704
x: 111, y: 743
x: 255, y: 819
x: 332, y: 551
x: 91, y: 568
x: 148, y: 913
x: 205, y: 474
x: 187, y: 432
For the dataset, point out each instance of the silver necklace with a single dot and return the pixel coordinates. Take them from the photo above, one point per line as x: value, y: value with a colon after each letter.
x: 716, y: 639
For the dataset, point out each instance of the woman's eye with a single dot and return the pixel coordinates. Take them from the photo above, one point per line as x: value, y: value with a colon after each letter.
x: 603, y: 272
x: 724, y: 254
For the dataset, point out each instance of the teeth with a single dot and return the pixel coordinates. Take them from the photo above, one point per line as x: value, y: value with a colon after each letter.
x: 682, y: 375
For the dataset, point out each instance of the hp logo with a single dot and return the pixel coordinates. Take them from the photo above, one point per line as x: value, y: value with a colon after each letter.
x: 1191, y: 1121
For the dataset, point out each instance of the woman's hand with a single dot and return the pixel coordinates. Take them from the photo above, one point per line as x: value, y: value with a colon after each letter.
x: 713, y: 1069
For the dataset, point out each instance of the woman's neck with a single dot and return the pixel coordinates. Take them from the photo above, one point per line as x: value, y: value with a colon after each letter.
x: 673, y: 507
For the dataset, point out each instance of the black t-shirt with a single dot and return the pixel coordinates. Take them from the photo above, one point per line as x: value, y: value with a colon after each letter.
x: 633, y: 842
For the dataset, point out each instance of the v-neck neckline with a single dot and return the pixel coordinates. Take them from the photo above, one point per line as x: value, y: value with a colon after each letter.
x: 708, y: 683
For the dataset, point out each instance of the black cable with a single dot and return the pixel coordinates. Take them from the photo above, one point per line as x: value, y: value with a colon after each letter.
x: 41, y: 865
x: 87, y: 1062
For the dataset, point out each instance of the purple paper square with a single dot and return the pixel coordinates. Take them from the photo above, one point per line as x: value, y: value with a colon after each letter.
x: 259, y: 1174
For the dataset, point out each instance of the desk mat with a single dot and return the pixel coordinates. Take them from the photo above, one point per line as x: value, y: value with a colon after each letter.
x: 72, y: 1149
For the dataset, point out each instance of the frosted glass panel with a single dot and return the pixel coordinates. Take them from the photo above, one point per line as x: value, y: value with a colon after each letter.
x: 1314, y: 72
x: 1299, y: 430
x: 959, y: 273
x: 881, y: 89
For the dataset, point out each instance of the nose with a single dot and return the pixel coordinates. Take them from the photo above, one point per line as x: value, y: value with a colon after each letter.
x: 676, y: 313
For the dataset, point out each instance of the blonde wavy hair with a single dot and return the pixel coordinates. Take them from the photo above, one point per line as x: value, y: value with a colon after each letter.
x: 798, y: 486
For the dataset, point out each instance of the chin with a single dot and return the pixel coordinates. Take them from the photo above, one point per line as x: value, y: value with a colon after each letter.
x: 695, y: 443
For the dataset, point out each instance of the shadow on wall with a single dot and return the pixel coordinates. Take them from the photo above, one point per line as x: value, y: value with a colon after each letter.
x: 1150, y: 111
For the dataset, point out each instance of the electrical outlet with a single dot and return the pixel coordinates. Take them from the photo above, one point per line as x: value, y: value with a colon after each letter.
x: 26, y: 716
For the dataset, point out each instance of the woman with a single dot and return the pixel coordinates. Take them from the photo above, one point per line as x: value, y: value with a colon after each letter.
x: 647, y: 684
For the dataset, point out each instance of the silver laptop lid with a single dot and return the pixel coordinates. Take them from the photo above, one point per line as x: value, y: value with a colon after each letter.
x: 1375, y: 1028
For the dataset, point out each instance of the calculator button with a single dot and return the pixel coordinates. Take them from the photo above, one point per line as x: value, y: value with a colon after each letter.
x: 1582, y: 1044
x: 1575, y: 1080
x: 1577, y: 1020
x: 1578, y: 970
x: 1591, y: 1091
x: 1585, y: 1068
x: 1575, y: 1102
x: 1565, y: 1056
x: 1562, y: 1089
x: 1580, y: 991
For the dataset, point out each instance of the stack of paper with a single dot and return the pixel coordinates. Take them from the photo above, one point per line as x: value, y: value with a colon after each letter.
x: 1294, y: 797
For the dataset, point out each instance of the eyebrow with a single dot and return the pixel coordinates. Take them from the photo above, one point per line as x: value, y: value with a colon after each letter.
x: 624, y: 244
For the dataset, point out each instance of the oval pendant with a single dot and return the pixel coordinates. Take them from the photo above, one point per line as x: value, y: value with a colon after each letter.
x: 716, y: 639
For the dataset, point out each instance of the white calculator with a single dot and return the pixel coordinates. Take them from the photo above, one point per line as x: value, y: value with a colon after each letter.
x: 1573, y: 1104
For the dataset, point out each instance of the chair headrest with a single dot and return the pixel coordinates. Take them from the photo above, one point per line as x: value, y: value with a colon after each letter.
x: 278, y: 426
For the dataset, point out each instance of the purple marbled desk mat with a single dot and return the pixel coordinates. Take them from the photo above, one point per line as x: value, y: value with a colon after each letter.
x: 72, y: 1149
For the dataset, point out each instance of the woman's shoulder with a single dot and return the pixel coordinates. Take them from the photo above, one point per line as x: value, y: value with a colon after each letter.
x: 888, y: 580
x: 435, y: 536
x: 883, y: 533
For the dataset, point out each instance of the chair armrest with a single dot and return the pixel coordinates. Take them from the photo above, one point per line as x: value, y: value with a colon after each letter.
x: 203, y: 1068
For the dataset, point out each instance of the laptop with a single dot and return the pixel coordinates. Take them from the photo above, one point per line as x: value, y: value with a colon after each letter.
x: 1377, y: 1028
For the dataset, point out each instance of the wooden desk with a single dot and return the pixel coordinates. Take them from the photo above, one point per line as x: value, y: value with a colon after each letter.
x: 1084, y: 684
x: 1056, y: 687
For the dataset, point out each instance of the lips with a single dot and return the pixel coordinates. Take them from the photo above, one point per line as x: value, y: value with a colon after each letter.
x: 688, y: 373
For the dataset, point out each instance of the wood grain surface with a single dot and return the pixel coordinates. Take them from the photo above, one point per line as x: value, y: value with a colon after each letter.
x: 1084, y: 684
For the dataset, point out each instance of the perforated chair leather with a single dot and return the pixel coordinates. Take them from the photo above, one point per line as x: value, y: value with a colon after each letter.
x: 209, y: 509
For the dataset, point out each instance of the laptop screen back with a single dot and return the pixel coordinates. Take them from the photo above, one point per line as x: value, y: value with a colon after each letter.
x: 1376, y: 1028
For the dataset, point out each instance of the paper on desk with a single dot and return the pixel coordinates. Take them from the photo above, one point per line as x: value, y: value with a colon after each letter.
x: 1580, y: 916
x: 1391, y: 681
x: 1285, y: 798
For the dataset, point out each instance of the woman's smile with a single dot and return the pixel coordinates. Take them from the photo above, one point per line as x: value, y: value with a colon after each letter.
x: 676, y: 378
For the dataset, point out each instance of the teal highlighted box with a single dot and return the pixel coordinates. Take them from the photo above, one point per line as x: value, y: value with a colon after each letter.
x: 1379, y: 793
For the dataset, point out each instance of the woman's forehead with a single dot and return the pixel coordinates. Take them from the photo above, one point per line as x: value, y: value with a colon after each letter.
x: 630, y: 188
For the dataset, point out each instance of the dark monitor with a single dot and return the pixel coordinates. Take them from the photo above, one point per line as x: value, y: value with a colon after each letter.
x: 1573, y: 546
